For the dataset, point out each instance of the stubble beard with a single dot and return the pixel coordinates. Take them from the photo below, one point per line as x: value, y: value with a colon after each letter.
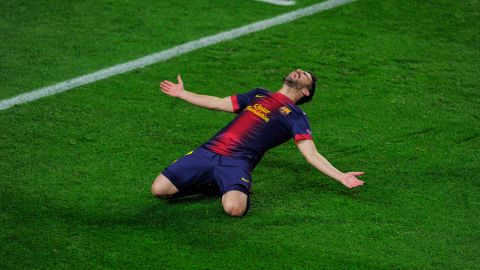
x: 291, y: 82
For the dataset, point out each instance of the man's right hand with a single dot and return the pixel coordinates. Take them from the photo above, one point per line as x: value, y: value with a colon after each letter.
x: 172, y: 89
x: 204, y: 101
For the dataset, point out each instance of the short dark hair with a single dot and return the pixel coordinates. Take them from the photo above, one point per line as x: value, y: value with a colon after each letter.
x: 311, y: 90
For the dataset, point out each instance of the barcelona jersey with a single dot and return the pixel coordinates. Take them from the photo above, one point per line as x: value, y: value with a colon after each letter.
x: 264, y: 121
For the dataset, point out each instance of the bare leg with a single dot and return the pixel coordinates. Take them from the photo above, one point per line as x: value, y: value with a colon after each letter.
x: 234, y: 203
x: 162, y: 187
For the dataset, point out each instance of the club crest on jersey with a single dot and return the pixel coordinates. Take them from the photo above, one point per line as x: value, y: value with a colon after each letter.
x: 284, y: 110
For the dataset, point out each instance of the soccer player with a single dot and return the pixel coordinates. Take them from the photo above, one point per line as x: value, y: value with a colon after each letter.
x: 225, y: 162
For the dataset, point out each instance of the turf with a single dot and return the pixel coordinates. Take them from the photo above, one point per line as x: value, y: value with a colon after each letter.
x: 398, y: 98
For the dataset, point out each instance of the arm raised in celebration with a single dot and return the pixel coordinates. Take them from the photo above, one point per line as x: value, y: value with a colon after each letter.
x: 309, y: 151
x: 209, y: 102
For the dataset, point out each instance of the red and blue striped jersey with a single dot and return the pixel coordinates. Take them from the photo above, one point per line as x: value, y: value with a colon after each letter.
x: 264, y: 121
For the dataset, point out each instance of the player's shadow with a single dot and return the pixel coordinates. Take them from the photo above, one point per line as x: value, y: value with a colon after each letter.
x: 190, y: 199
x: 163, y: 213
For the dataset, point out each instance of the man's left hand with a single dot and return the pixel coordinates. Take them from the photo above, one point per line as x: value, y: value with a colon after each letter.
x: 350, y: 179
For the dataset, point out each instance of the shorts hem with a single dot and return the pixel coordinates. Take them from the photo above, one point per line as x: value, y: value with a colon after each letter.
x: 237, y: 187
x: 173, y: 179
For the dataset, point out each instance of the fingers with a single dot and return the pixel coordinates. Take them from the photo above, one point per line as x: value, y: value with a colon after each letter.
x: 356, y: 184
x: 165, y: 85
x: 359, y: 183
x: 171, y: 88
x: 165, y: 92
x: 167, y: 82
x: 352, y: 180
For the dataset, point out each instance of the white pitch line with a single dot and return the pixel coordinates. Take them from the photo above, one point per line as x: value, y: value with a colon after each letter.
x: 279, y: 2
x: 169, y: 53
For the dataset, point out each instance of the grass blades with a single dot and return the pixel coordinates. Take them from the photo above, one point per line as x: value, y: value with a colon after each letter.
x: 398, y: 98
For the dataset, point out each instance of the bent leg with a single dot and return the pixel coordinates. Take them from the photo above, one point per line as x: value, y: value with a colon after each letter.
x: 235, y: 203
x: 162, y: 187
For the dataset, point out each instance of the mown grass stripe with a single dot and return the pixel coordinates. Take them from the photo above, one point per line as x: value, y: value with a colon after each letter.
x: 169, y: 53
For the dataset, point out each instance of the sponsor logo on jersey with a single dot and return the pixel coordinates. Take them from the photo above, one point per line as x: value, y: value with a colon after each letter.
x: 284, y: 110
x: 245, y: 180
x: 259, y: 111
x: 259, y: 96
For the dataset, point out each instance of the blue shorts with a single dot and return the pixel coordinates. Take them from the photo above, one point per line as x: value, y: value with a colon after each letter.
x: 203, y: 167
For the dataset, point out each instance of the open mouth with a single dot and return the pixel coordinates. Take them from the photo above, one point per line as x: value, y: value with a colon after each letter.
x: 296, y: 77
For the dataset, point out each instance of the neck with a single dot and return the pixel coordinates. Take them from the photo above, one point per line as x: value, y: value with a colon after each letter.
x: 292, y: 93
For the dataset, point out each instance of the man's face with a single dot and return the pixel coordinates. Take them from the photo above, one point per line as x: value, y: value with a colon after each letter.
x: 298, y: 79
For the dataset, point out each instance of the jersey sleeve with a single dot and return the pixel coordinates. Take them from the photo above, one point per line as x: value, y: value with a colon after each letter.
x: 240, y: 101
x: 301, y: 128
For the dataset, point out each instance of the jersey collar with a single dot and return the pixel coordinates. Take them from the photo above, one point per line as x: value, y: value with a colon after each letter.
x: 282, y: 98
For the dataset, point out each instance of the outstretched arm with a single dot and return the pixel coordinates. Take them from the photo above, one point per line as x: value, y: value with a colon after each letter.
x: 309, y: 151
x: 209, y: 102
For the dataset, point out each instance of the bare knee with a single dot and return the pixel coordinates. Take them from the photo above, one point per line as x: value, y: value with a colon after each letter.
x: 234, y: 209
x: 234, y: 203
x: 162, y: 187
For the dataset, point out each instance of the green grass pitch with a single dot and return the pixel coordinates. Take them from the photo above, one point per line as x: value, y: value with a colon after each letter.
x: 398, y: 98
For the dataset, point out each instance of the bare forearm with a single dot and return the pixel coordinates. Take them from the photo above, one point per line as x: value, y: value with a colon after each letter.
x: 349, y: 179
x: 322, y: 164
x: 200, y: 100
x: 209, y: 102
